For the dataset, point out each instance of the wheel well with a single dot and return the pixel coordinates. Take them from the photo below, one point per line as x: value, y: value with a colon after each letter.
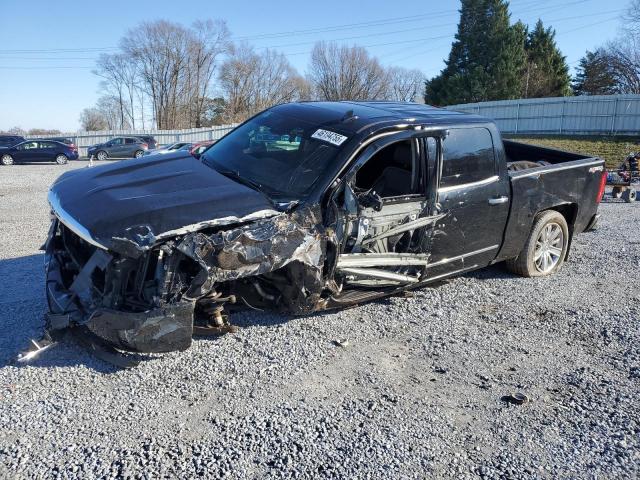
x: 570, y: 212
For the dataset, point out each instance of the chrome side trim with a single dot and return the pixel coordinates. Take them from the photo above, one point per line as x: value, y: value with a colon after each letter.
x: 356, y: 260
x: 448, y: 274
x: 516, y: 175
x: 463, y: 256
x: 347, y: 260
x: 380, y: 274
x: 479, y: 183
x: 70, y: 222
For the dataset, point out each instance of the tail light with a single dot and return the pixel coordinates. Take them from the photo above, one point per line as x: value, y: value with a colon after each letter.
x: 603, y: 183
x: 145, y: 146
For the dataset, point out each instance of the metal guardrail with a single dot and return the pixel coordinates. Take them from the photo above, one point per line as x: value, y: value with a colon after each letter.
x: 583, y: 115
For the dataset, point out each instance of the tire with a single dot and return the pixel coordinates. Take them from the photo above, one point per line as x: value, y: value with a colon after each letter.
x: 102, y: 155
x: 629, y: 195
x: 616, y: 192
x: 548, y: 241
x: 138, y: 154
x: 6, y: 159
x: 61, y: 159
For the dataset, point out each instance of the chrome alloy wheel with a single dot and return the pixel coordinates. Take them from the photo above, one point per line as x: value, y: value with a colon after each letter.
x: 549, y: 247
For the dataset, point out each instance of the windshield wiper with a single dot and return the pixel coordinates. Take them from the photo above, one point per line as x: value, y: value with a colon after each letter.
x: 245, y: 181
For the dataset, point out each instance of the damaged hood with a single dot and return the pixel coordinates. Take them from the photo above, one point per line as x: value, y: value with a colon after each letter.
x: 138, y: 202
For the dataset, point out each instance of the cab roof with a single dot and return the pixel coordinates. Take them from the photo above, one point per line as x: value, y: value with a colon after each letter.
x: 353, y: 117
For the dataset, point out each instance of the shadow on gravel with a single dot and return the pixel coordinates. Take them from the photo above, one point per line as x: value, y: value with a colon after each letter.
x: 22, y: 309
x: 491, y: 272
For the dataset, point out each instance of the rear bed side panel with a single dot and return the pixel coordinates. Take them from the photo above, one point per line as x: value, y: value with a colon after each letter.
x: 570, y: 187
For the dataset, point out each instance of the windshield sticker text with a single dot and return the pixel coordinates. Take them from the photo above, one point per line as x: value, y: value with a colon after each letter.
x: 327, y: 136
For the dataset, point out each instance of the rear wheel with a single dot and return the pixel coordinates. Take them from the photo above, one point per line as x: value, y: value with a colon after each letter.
x: 101, y: 155
x: 545, y: 249
x: 61, y: 159
x: 629, y: 195
x: 6, y: 159
x: 138, y: 154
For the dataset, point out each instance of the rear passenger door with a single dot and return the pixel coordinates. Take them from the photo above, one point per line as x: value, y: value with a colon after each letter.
x: 116, y: 147
x: 47, y: 151
x: 130, y: 147
x: 474, y: 198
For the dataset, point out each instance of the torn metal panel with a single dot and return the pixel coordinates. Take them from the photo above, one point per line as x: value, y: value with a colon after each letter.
x: 259, y: 248
x: 159, y: 330
x: 410, y: 225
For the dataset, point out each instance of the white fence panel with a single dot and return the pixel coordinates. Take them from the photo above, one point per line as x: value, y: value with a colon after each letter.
x: 584, y: 115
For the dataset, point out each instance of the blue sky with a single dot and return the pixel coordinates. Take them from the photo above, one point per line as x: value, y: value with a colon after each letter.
x: 36, y: 36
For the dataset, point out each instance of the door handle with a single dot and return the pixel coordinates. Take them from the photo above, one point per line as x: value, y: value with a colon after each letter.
x: 498, y: 200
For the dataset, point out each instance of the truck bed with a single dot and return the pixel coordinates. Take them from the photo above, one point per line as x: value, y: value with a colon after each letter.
x: 545, y: 178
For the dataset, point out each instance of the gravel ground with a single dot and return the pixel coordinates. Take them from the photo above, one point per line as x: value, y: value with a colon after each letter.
x: 415, y: 393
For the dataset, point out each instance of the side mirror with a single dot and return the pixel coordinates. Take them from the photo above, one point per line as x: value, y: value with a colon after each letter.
x: 371, y: 200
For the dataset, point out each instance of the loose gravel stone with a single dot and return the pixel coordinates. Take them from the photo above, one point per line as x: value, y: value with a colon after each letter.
x: 417, y: 392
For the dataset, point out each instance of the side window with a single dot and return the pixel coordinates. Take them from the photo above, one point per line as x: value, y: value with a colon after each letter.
x: 129, y: 141
x: 116, y: 141
x: 28, y: 146
x: 47, y: 145
x: 468, y: 156
x: 389, y: 172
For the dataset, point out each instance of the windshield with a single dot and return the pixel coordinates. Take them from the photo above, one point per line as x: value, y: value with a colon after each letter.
x: 276, y: 153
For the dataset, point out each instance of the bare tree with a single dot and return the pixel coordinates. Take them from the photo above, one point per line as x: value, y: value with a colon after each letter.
x: 209, y: 41
x: 252, y: 82
x: 43, y: 131
x: 160, y: 50
x: 624, y: 63
x: 115, y: 70
x: 16, y: 131
x: 92, y: 120
x: 346, y: 73
x: 631, y: 18
x: 109, y: 108
x: 405, y: 85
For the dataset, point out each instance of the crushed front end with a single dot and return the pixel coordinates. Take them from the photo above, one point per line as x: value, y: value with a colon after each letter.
x: 115, y: 297
x: 146, y: 293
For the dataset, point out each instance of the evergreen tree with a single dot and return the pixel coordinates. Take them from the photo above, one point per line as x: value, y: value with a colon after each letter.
x: 595, y: 75
x: 547, y: 72
x: 487, y: 58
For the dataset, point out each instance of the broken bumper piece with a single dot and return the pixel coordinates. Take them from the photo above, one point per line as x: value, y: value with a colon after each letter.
x: 159, y: 330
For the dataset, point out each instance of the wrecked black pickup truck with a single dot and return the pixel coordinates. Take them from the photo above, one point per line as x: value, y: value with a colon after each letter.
x: 304, y: 207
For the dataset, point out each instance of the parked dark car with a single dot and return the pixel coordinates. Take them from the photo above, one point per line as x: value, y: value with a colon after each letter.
x: 149, y: 140
x: 38, y: 151
x: 65, y: 140
x: 305, y: 207
x: 8, y: 140
x: 119, y: 147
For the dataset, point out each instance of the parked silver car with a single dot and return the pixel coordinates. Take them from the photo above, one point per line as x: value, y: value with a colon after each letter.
x: 169, y: 148
x: 119, y: 147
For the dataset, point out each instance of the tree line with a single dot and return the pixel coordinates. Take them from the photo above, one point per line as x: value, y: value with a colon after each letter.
x: 183, y: 77
x: 614, y: 67
x: 169, y: 76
